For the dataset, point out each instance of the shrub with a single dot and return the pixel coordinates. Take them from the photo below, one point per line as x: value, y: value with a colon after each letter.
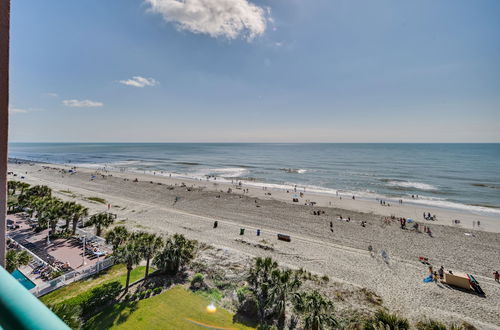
x: 127, y: 297
x: 197, y: 281
x: 148, y: 293
x: 69, y: 314
x: 97, y: 200
x: 242, y: 294
x: 325, y: 278
x: 386, y: 319
x: 97, y: 297
x: 430, y: 325
x: 156, y: 290
x: 142, y: 294
x: 56, y: 274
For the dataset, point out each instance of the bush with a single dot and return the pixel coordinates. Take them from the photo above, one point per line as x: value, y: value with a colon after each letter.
x: 148, y: 293
x: 386, y: 319
x: 156, y: 290
x: 55, y: 274
x: 242, y: 294
x: 69, y: 314
x: 197, y: 281
x: 325, y: 278
x: 430, y: 325
x: 97, y: 200
x: 97, y: 297
x: 127, y: 297
x: 142, y: 294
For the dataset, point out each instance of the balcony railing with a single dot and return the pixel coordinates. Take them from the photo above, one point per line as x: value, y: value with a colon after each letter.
x: 20, y: 310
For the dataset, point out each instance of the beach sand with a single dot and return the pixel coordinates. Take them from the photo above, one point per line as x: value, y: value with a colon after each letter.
x: 160, y: 204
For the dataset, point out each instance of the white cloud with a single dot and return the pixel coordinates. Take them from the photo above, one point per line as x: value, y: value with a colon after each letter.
x: 139, y: 81
x: 15, y: 110
x: 217, y: 18
x: 82, y: 103
x: 52, y: 94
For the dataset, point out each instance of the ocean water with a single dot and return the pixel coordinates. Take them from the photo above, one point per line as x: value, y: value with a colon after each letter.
x: 457, y: 176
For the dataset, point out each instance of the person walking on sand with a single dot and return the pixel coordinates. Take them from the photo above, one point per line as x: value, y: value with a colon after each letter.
x: 496, y: 274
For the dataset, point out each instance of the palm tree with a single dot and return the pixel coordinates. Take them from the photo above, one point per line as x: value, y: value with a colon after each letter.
x: 40, y: 191
x: 23, y: 186
x: 130, y: 255
x: 15, y: 259
x: 54, y: 212
x: 178, y: 252
x: 41, y: 205
x: 79, y: 212
x: 101, y: 220
x: 12, y: 204
x: 261, y: 285
x: 285, y: 283
x: 68, y: 209
x: 117, y: 236
x: 316, y: 310
x: 12, y: 186
x: 150, y: 244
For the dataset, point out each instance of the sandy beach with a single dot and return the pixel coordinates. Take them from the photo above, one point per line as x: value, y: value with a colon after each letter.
x: 320, y: 243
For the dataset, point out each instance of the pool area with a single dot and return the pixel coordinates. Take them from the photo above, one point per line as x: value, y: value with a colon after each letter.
x: 21, y: 278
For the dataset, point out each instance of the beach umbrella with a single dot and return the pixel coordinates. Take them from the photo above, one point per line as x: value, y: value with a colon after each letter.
x: 409, y: 220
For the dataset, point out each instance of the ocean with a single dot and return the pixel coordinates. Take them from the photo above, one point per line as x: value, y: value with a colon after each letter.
x: 458, y: 176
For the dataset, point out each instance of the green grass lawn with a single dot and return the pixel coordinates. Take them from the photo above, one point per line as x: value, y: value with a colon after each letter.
x: 176, y: 308
x: 115, y: 273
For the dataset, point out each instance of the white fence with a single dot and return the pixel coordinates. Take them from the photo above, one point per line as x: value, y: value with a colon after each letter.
x: 70, y: 277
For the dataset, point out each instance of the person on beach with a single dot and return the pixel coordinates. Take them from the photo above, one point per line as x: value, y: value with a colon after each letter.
x: 496, y: 274
x: 441, y: 272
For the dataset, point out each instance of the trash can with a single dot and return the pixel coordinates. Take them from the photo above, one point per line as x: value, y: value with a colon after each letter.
x: 242, y: 231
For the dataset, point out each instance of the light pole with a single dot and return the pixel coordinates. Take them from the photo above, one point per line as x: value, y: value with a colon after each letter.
x: 4, y: 120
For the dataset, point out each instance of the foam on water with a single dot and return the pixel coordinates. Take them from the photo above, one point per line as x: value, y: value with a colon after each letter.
x: 409, y: 184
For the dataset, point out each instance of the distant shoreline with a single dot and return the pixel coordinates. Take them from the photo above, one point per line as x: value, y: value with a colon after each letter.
x: 483, y: 210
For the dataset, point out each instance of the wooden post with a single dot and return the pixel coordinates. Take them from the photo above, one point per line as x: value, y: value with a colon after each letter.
x: 4, y: 120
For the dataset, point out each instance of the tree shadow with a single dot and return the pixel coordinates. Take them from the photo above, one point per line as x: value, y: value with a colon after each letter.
x: 246, y: 320
x: 112, y: 315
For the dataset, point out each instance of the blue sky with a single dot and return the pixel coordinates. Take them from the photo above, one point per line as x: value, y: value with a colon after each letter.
x: 255, y: 71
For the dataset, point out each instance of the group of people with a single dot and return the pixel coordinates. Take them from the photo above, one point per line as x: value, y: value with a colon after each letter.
x: 383, y: 203
x: 428, y: 216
